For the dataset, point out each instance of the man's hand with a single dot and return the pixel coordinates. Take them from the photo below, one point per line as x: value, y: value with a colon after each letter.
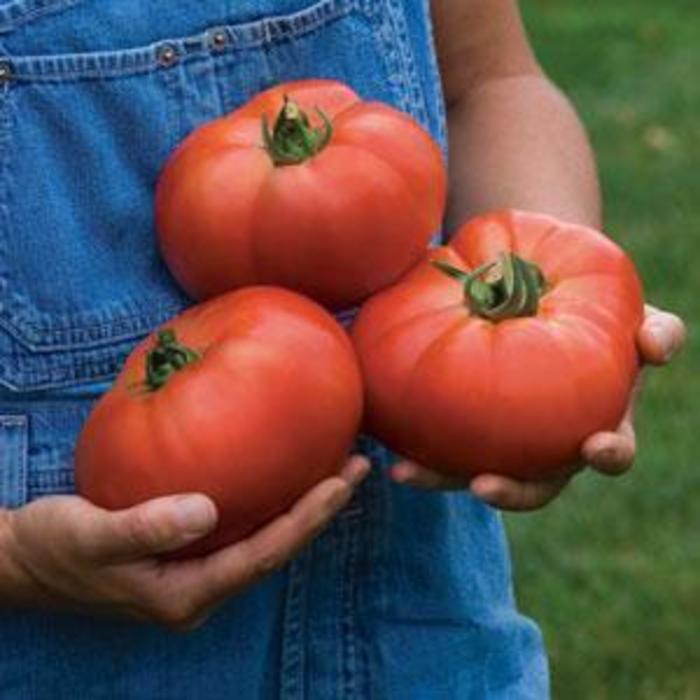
x: 661, y: 335
x: 63, y: 552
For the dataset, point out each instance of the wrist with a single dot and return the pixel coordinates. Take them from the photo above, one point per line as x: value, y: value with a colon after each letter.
x: 13, y: 581
x: 8, y: 567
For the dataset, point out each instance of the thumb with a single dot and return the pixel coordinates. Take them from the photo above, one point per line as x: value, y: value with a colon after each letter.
x: 156, y: 526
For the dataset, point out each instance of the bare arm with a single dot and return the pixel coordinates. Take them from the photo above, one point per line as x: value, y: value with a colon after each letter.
x: 515, y: 141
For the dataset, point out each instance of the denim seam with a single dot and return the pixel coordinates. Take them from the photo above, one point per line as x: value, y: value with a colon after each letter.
x: 352, y: 675
x: 293, y: 656
x: 125, y: 62
x: 19, y: 371
x: 50, y: 482
x: 13, y: 472
x: 88, y: 335
x: 5, y: 182
x: 79, y: 372
x: 37, y: 12
x: 374, y: 595
x: 437, y: 80
x: 46, y: 405
x: 155, y: 305
x: 404, y: 71
x: 24, y: 11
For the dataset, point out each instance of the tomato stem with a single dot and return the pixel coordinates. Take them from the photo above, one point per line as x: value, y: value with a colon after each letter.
x: 293, y: 140
x: 515, y: 291
x: 167, y: 357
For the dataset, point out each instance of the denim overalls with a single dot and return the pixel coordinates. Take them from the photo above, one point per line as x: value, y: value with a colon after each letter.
x: 407, y: 596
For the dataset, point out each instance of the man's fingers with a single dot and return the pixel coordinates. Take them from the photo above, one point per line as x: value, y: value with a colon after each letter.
x: 150, y: 528
x: 611, y: 453
x: 661, y: 336
x: 499, y: 491
x: 166, y: 524
x: 236, y: 567
x: 355, y: 470
x: 509, y: 494
x: 412, y: 474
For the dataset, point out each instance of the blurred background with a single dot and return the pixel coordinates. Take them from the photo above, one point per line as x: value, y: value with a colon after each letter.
x: 611, y: 570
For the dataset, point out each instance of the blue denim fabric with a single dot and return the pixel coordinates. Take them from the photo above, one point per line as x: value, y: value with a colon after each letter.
x: 407, y: 596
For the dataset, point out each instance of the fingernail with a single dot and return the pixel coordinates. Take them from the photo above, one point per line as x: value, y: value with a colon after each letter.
x: 356, y: 473
x: 481, y: 490
x: 660, y: 335
x: 398, y: 474
x: 607, y: 456
x: 195, y: 514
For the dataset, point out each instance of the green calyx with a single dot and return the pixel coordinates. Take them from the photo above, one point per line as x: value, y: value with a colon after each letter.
x: 293, y: 140
x: 167, y: 357
x: 513, y: 291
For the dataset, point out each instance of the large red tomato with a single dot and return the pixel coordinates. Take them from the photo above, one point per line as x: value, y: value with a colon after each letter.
x: 306, y: 187
x: 251, y: 398
x: 512, y: 365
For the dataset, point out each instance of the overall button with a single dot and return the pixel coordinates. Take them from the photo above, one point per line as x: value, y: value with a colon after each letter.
x: 166, y: 55
x: 218, y: 38
x: 5, y: 71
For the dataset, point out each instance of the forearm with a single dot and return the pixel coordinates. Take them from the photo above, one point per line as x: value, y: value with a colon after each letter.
x: 517, y: 142
x: 9, y: 575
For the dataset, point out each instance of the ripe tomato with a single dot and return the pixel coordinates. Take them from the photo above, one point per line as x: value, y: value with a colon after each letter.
x: 336, y: 199
x: 251, y: 398
x: 509, y: 368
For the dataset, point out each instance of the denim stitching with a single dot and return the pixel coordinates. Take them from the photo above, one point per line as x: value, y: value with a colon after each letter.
x: 350, y: 669
x: 5, y: 181
x: 293, y: 657
x: 438, y: 95
x: 412, y: 96
x: 46, y: 483
x: 73, y: 369
x: 13, y: 460
x: 375, y: 594
x: 65, y: 332
x: 49, y: 452
x: 391, y: 31
x: 23, y: 11
x: 49, y: 404
x: 369, y: 598
x: 121, y: 327
x: 112, y: 64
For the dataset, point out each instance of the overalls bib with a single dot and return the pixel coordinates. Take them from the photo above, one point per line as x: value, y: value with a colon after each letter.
x: 408, y: 595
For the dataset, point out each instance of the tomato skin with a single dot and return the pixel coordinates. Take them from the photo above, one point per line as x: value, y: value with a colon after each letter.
x: 337, y: 227
x: 253, y: 424
x: 466, y: 395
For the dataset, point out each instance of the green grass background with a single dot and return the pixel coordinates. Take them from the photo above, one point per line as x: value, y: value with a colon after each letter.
x: 611, y: 570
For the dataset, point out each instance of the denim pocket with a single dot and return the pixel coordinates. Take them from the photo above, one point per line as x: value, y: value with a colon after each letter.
x: 37, y: 446
x: 15, y: 13
x: 83, y: 137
